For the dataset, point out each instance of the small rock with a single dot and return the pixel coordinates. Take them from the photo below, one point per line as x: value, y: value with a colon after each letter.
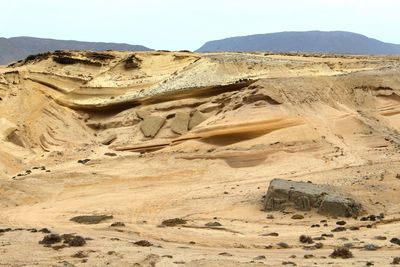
x: 371, y: 247
x: 91, y: 219
x: 261, y: 257
x: 83, y: 161
x: 380, y: 237
x: 308, y: 256
x: 341, y: 252
x: 297, y: 217
x: 339, y: 229
x: 118, y: 224
x: 76, y: 241
x: 282, y: 245
x: 341, y: 223
x: 395, y: 241
x: 396, y: 261
x: 225, y: 254
x: 173, y: 222
x: 143, y: 243
x: 289, y: 263
x: 213, y: 224
x: 50, y: 239
x: 270, y: 234
x: 306, y: 239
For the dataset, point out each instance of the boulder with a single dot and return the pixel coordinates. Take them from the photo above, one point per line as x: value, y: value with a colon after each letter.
x: 151, y: 125
x: 307, y: 196
x: 180, y: 123
x: 196, y: 119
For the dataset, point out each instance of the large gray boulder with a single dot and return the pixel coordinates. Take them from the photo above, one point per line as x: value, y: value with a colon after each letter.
x: 307, y: 196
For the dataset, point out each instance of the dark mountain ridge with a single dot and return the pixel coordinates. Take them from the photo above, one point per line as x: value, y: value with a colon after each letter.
x: 16, y: 48
x: 311, y: 41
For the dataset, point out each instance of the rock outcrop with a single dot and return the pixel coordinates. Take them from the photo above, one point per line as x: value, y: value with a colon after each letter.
x: 196, y: 119
x: 307, y: 196
x: 151, y: 125
x: 180, y: 123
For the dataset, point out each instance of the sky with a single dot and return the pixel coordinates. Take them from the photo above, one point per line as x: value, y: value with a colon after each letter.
x: 186, y: 24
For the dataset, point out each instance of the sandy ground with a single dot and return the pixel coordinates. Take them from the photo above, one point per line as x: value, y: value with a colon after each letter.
x: 326, y: 119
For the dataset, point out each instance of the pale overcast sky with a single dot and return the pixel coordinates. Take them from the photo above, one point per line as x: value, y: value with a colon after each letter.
x: 185, y: 24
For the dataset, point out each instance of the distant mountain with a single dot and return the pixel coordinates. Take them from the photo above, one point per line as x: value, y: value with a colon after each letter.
x: 17, y: 48
x: 312, y: 41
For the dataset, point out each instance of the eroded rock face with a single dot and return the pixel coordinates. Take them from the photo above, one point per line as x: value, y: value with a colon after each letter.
x: 151, y: 125
x: 307, y: 196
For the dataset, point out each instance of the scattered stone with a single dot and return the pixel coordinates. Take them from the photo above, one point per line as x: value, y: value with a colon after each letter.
x: 167, y: 256
x: 339, y: 229
x: 354, y: 228
x: 396, y: 261
x: 196, y: 119
x: 45, y: 231
x: 341, y: 223
x: 269, y: 216
x: 173, y: 222
x: 151, y: 125
x: 289, y: 263
x: 91, y: 219
x: 258, y: 258
x: 327, y: 235
x: 118, y: 224
x: 110, y: 154
x: 282, y: 245
x: 83, y: 161
x: 305, y: 239
x: 395, y: 241
x: 380, y: 237
x: 369, y: 263
x: 213, y: 224
x: 371, y: 247
x: 270, y: 234
x: 305, y: 196
x: 143, y: 243
x: 341, y: 252
x: 80, y: 255
x: 318, y: 245
x: 50, y: 239
x: 308, y: 256
x: 76, y: 241
x: 297, y: 217
x: 180, y: 123
x: 225, y: 254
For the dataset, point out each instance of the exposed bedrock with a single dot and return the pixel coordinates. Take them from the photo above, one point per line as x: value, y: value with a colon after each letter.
x: 304, y: 196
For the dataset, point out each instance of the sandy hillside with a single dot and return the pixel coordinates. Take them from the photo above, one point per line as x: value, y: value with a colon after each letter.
x: 145, y: 137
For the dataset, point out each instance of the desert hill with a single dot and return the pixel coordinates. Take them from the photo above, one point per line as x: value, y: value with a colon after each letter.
x: 18, y: 48
x: 311, y: 41
x: 173, y: 153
